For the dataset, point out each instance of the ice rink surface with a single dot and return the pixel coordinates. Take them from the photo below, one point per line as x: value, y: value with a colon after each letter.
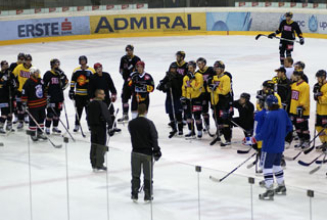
x: 179, y: 192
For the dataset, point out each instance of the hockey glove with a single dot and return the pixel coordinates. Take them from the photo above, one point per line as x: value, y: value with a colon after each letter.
x: 249, y: 141
x: 157, y: 155
x: 212, y: 87
x: 160, y: 86
x: 4, y: 77
x: 113, y: 97
x: 272, y: 35
x: 71, y: 94
x: 191, y: 75
x: 301, y: 40
x: 183, y: 100
x: 299, y: 111
x: 317, y: 95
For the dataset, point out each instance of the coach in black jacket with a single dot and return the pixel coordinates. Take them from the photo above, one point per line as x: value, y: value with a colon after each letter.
x: 145, y: 145
x: 98, y: 116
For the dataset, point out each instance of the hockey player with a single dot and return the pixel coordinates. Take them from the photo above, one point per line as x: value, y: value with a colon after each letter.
x: 220, y: 88
x: 172, y: 84
x: 288, y: 65
x: 268, y: 88
x: 141, y: 84
x: 320, y: 95
x: 126, y: 68
x: 102, y: 80
x: 34, y: 98
x: 288, y: 28
x: 246, y: 113
x: 283, y: 88
x: 78, y: 89
x: 191, y: 99
x: 55, y: 82
x: 207, y: 74
x: 22, y: 74
x: 299, y: 66
x: 98, y: 118
x: 300, y: 108
x: 7, y: 88
x: 273, y: 132
x: 180, y: 63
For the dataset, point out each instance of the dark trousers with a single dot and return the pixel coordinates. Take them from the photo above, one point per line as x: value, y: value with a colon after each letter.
x: 285, y: 46
x: 53, y: 114
x: 98, y: 145
x: 80, y: 103
x: 125, y: 95
x: 301, y: 125
x: 140, y: 161
x: 39, y: 116
x: 223, y: 120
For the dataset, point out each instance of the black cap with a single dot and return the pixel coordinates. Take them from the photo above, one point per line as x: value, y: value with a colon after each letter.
x: 281, y: 69
x: 246, y: 96
x: 130, y: 47
x: 181, y: 53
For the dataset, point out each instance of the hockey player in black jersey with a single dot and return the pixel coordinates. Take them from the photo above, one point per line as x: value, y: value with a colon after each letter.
x: 79, y: 87
x: 33, y: 97
x: 7, y: 88
x: 284, y: 88
x: 287, y: 27
x: 207, y: 74
x: 55, y: 82
x: 102, y: 80
x: 141, y: 84
x: 126, y: 68
x: 180, y: 63
x: 171, y: 84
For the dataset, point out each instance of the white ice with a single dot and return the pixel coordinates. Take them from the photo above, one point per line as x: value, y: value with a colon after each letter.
x: 175, y: 180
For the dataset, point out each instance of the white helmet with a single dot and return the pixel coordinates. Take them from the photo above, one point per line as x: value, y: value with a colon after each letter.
x: 34, y: 70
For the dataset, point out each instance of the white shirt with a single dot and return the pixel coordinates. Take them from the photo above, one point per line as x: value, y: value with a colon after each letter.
x: 289, y: 71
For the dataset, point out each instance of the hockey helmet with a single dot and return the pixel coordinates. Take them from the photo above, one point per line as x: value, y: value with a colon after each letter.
x: 21, y: 56
x: 28, y: 57
x: 53, y: 62
x: 191, y: 63
x: 219, y: 64
x: 173, y: 66
x: 298, y: 73
x: 97, y: 66
x: 289, y: 14
x: 271, y: 100
x: 246, y: 96
x: 268, y: 84
x: 201, y: 59
x: 34, y: 70
x: 300, y: 64
x: 181, y: 53
x: 83, y: 57
x: 321, y: 73
x: 129, y: 47
x: 140, y: 62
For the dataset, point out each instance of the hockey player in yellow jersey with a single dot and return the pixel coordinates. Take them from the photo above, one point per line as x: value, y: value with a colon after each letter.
x: 221, y: 96
x: 191, y: 99
x: 320, y: 95
x: 78, y: 89
x: 22, y: 74
x: 300, y: 108
x: 268, y: 88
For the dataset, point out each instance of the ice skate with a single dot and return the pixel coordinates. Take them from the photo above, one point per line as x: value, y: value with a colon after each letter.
x: 34, y: 137
x: 199, y: 134
x: 20, y: 126
x: 56, y: 131
x: 123, y: 119
x: 268, y: 195
x: 26, y: 119
x: 305, y: 145
x: 41, y: 135
x: 76, y: 129
x: 281, y: 189
x: 262, y: 183
x: 135, y: 197
x: 2, y: 131
x: 100, y: 169
x: 190, y: 135
x: 47, y: 131
x: 9, y: 128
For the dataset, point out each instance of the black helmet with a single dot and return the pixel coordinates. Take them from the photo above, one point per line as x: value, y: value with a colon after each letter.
x: 268, y: 84
x: 129, y: 47
x: 289, y: 14
x: 83, y: 57
x: 191, y: 63
x: 173, y: 66
x: 219, y: 64
x: 28, y: 56
x: 53, y: 62
x: 181, y: 53
x: 300, y: 64
x: 246, y: 96
x: 201, y: 59
x: 298, y: 73
x: 321, y: 73
x: 20, y: 55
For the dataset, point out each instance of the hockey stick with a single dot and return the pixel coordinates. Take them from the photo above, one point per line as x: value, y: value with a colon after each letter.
x: 311, y: 148
x: 220, y: 180
x: 79, y: 121
x: 54, y: 112
x: 263, y: 35
x: 38, y: 125
x: 173, y: 111
x: 237, y: 125
x: 311, y: 162
x: 67, y: 122
x: 244, y: 151
x: 317, y: 168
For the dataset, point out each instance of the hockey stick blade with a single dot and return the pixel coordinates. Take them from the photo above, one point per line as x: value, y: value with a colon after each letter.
x: 258, y: 36
x: 293, y: 158
x: 172, y: 134
x: 215, y: 141
x: 308, y: 150
x: 249, y: 166
x: 311, y: 162
x: 321, y: 161
x: 244, y: 151
x: 214, y: 179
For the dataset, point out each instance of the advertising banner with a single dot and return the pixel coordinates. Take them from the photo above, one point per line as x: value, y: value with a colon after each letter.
x: 48, y: 27
x: 158, y: 22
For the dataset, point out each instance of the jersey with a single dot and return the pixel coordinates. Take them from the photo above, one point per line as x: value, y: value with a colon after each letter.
x: 127, y: 65
x: 208, y: 73
x: 221, y: 95
x: 141, y: 85
x: 33, y: 94
x: 284, y: 91
x: 22, y: 74
x: 103, y: 82
x: 182, y: 68
x: 288, y: 30
x: 80, y: 80
x: 300, y: 97
x: 55, y: 85
x: 6, y: 86
x: 322, y: 101
x: 278, y: 98
x: 192, y: 88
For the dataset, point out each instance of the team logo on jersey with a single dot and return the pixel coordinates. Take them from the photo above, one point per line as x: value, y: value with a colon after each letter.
x: 146, y: 77
x: 295, y: 95
x: 287, y: 28
x: 39, y: 91
x: 81, y: 80
x: 54, y: 80
x: 25, y: 74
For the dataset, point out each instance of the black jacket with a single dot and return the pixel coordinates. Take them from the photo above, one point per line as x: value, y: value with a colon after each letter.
x: 127, y: 65
x: 7, y: 86
x: 103, y: 82
x: 98, y: 114
x: 173, y: 81
x: 55, y: 83
x: 284, y: 90
x: 144, y: 136
x: 246, y: 114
